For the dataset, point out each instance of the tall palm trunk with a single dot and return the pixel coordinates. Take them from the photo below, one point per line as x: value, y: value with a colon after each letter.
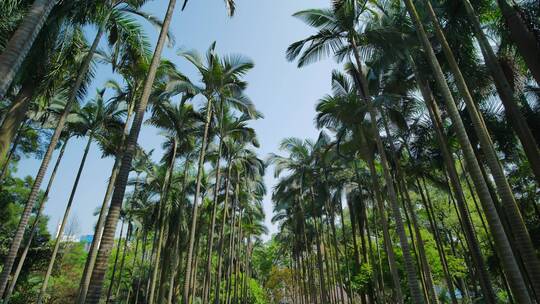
x: 519, y: 230
x: 322, y: 281
x: 416, y: 234
x: 468, y: 228
x: 202, y: 154
x: 329, y: 273
x: 507, y: 95
x: 526, y: 42
x: 431, y: 294
x: 222, y: 232
x: 346, y: 253
x: 133, y: 266
x: 438, y: 244
x: 122, y: 261
x: 162, y: 221
x: 92, y: 252
x: 17, y: 239
x: 14, y: 119
x: 34, y: 226
x: 504, y: 249
x: 21, y: 42
x: 509, y: 100
x: 412, y: 278
x: 363, y: 91
x: 177, y: 257
x: 98, y: 273
x: 387, y: 241
x: 12, y: 151
x: 193, y: 278
x: 113, y: 274
x: 378, y: 274
x: 231, y: 244
x: 141, y: 267
x: 58, y: 241
x: 210, y: 245
x: 332, y: 239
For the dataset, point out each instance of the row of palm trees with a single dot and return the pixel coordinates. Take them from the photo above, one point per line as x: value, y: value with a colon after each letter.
x: 421, y: 90
x: 209, y: 161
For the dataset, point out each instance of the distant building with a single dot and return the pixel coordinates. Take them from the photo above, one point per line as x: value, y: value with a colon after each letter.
x: 87, y: 241
x: 70, y: 238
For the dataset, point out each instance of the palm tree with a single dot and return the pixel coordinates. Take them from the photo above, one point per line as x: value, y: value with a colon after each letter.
x: 95, y: 120
x: 522, y: 35
x: 506, y: 255
x: 222, y: 82
x: 228, y: 128
x: 337, y: 31
x: 180, y: 121
x: 33, y: 228
x: 81, y: 76
x: 343, y: 111
x: 76, y: 45
x: 20, y: 43
x: 133, y: 68
x: 98, y: 273
x: 113, y: 18
x: 234, y: 136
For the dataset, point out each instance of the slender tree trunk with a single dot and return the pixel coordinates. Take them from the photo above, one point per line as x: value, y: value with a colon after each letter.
x: 14, y: 118
x: 468, y: 227
x: 161, y: 220
x: 484, y: 226
x: 526, y: 42
x: 21, y: 42
x: 34, y: 227
x: 409, y: 265
x: 193, y: 279
x: 133, y: 266
x: 58, y: 241
x: 507, y: 95
x: 324, y: 293
x: 416, y: 294
x: 238, y: 258
x: 305, y: 286
x: 141, y: 267
x: 113, y: 274
x: 202, y: 154
x: 92, y: 253
x: 440, y: 248
x: 178, y: 264
x: 505, y: 251
x: 231, y: 247
x: 346, y: 254
x: 222, y: 232
x: 431, y: 294
x: 122, y: 261
x: 12, y: 150
x: 98, y: 273
x: 17, y: 239
x: 329, y: 272
x: 210, y: 245
x: 398, y: 296
x: 378, y: 274
x: 353, y: 218
x: 519, y: 230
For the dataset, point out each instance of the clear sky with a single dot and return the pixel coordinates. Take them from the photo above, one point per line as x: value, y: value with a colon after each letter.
x: 286, y: 95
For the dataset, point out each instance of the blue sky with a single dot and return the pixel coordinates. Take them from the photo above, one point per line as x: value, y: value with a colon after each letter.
x: 286, y: 95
